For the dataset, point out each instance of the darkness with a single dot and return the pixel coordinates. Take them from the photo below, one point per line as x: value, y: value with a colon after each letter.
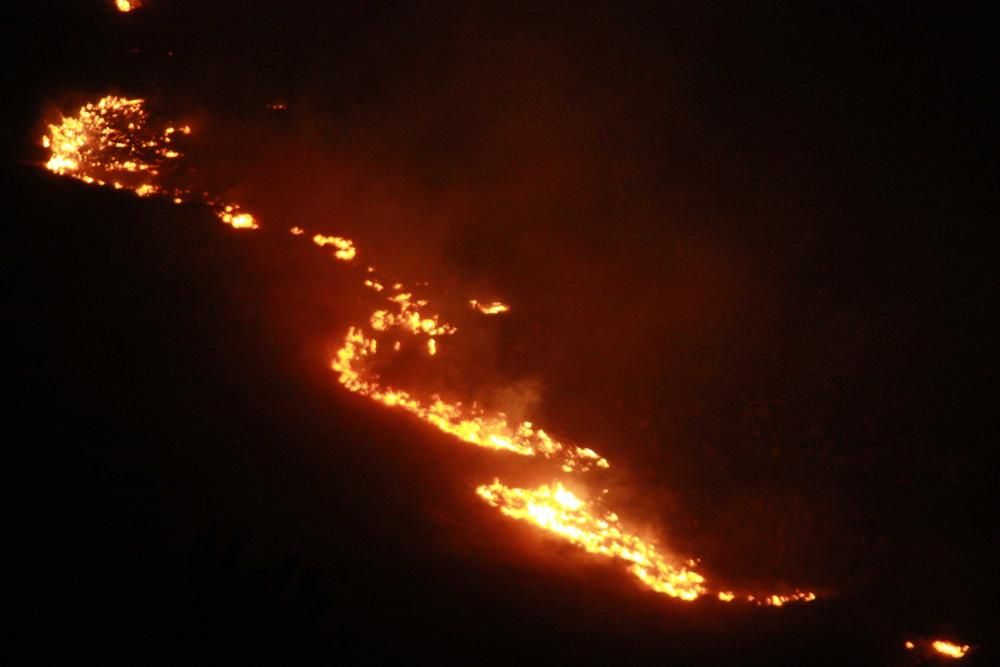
x: 747, y: 252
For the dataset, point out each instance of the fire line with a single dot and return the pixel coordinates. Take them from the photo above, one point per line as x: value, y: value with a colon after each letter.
x: 112, y: 143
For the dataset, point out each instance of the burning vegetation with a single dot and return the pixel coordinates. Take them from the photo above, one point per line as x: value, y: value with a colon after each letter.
x: 558, y: 510
x: 111, y: 142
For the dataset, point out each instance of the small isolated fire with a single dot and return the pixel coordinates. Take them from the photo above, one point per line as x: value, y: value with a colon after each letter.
x: 232, y: 216
x: 111, y: 142
x: 948, y: 649
x: 938, y: 648
x: 127, y: 5
x: 492, y: 308
x: 345, y: 247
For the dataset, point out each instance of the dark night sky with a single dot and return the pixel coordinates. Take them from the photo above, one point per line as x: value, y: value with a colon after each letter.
x: 747, y: 254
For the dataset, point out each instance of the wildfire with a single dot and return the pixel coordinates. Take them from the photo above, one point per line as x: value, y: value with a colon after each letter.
x: 558, y: 510
x: 127, y: 5
x: 110, y: 142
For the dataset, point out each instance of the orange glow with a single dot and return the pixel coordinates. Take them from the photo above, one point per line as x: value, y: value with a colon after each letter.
x: 949, y: 649
x: 127, y: 5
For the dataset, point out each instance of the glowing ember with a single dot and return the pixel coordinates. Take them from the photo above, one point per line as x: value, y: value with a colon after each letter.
x: 493, y: 308
x: 127, y: 5
x: 949, y: 649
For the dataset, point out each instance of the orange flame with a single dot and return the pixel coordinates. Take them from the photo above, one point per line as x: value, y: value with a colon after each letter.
x: 232, y: 217
x: 558, y: 510
x: 492, y: 308
x: 110, y: 143
x: 938, y: 648
x: 345, y: 247
x: 949, y: 650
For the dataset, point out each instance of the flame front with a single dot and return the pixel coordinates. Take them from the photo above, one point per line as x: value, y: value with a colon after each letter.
x: 558, y: 510
x: 110, y: 142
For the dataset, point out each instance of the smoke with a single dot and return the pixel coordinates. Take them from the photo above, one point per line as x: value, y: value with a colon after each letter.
x: 519, y: 400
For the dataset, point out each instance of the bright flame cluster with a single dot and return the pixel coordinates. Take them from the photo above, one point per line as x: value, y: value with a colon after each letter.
x: 939, y: 648
x: 345, y: 249
x: 127, y: 5
x: 110, y: 142
x: 558, y: 510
